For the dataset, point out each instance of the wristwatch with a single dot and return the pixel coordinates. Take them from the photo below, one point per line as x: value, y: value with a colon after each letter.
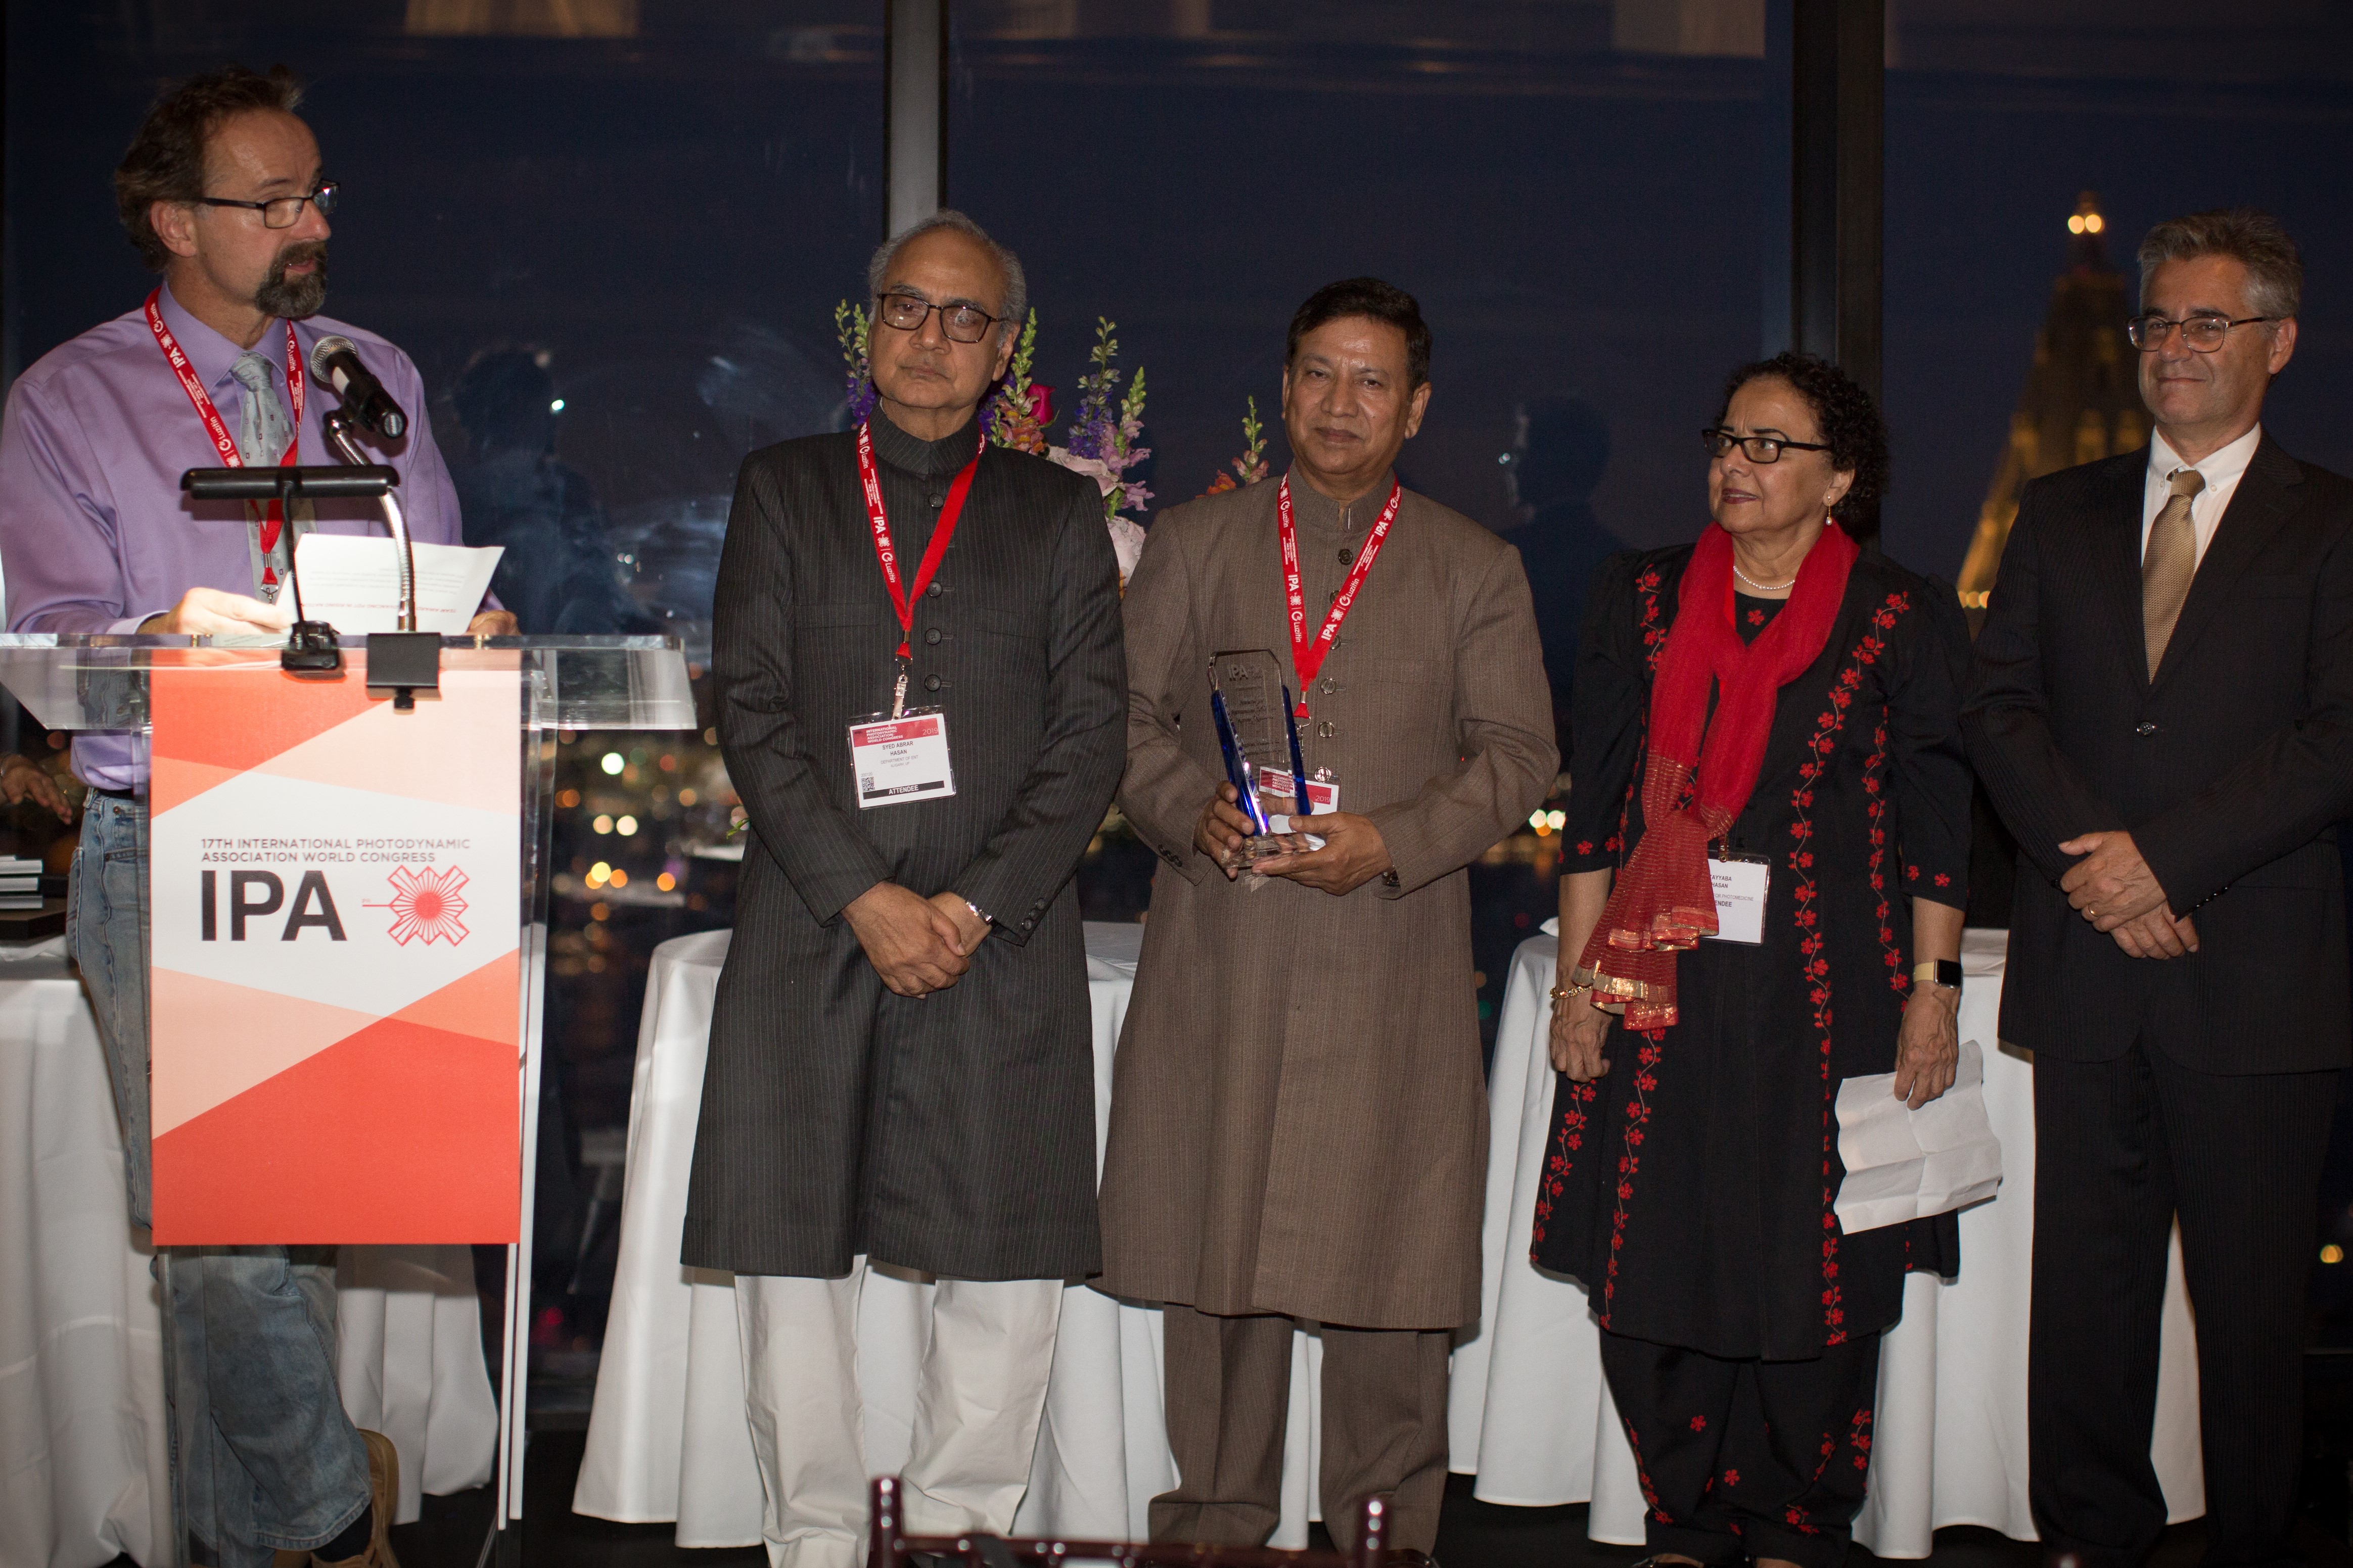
x: 985, y: 918
x: 1944, y: 971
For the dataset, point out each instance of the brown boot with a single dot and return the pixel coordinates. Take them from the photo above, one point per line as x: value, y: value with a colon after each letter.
x: 384, y: 1496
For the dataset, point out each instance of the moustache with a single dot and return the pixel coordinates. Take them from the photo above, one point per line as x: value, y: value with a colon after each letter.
x: 310, y: 250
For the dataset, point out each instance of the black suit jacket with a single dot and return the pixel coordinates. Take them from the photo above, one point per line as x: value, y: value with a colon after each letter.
x: 954, y: 1132
x: 2229, y: 768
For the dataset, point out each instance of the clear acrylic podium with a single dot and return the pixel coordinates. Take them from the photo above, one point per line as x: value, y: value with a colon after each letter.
x: 84, y: 683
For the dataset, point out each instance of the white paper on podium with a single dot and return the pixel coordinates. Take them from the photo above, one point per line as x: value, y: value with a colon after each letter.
x: 354, y: 583
x: 1902, y: 1163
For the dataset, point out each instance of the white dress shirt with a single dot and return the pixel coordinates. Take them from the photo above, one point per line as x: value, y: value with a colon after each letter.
x: 2220, y: 471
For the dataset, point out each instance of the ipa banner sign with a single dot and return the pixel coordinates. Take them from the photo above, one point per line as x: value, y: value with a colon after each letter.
x: 333, y: 981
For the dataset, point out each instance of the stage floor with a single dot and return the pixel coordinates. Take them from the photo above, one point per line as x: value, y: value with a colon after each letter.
x: 1473, y: 1534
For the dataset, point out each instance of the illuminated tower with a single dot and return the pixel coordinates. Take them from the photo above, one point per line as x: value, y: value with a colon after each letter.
x: 2081, y: 398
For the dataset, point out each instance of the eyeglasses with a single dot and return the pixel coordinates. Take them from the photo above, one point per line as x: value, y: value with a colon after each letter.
x: 2203, y: 334
x: 1760, y: 448
x: 961, y: 323
x: 282, y: 211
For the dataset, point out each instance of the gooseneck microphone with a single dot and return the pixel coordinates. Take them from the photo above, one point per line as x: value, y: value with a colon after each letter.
x: 335, y: 361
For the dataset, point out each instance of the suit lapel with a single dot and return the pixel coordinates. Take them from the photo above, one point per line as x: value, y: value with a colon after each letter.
x: 2266, y: 498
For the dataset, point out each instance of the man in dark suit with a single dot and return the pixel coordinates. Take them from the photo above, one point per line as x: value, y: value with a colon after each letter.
x: 2162, y: 710
x: 923, y: 702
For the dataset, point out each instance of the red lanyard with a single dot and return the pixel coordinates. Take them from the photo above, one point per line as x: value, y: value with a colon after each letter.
x: 217, y: 428
x: 901, y: 599
x: 1308, y: 653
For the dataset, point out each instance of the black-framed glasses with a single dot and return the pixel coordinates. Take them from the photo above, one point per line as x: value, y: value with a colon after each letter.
x: 1760, y: 448
x: 281, y: 212
x: 2203, y: 334
x: 961, y: 323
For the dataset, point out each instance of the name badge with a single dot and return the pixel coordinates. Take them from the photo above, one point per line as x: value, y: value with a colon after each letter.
x: 896, y: 760
x: 1740, y: 881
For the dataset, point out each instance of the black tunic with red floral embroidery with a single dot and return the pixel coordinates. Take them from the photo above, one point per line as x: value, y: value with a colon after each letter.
x: 1690, y: 1189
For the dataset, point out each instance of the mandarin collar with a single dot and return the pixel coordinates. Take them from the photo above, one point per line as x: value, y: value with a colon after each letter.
x: 1312, y: 509
x: 916, y: 455
x: 213, y: 356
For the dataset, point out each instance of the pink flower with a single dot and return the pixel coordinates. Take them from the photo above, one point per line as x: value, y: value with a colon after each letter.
x: 1041, y: 403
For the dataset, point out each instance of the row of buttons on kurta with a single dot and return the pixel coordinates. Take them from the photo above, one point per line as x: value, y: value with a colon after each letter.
x: 932, y: 638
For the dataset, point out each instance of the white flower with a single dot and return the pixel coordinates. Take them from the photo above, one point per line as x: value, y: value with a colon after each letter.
x: 1127, y: 543
x: 1105, y: 478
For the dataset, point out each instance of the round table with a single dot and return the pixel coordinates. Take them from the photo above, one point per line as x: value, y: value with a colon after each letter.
x: 1530, y: 1416
x: 82, y: 1385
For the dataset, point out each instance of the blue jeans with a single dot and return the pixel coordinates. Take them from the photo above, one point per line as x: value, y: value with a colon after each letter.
x: 263, y: 1457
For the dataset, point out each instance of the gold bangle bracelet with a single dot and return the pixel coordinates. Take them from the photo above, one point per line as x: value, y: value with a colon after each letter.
x: 1561, y: 991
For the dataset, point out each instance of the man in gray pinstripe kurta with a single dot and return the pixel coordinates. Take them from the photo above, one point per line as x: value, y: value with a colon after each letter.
x: 900, y: 1070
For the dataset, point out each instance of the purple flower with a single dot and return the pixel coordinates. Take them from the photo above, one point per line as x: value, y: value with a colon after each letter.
x: 1093, y: 435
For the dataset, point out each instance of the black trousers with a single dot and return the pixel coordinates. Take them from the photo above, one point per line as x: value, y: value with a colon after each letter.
x: 1755, y: 1458
x: 2122, y: 1148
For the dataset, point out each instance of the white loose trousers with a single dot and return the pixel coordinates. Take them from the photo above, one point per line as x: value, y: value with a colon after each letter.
x: 989, y: 1347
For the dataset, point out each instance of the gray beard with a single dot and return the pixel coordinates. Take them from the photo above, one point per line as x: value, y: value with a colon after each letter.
x: 293, y: 299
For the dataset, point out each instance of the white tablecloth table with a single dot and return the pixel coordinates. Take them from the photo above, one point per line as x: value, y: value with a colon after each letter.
x: 667, y: 1439
x: 83, y: 1469
x: 1532, y: 1417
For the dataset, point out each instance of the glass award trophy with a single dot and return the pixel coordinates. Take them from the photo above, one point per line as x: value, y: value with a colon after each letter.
x: 1260, y: 738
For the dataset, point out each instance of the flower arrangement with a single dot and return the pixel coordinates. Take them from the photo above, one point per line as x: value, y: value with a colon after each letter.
x: 1019, y: 411
x: 854, y: 326
x: 1103, y: 444
x: 1104, y: 430
x: 1252, y: 466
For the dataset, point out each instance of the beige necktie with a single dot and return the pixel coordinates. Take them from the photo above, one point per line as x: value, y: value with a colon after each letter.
x: 2167, y: 565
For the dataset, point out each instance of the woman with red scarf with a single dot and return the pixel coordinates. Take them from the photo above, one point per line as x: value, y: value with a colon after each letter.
x: 1762, y: 881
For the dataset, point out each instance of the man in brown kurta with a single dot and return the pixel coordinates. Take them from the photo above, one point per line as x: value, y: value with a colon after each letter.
x: 1298, y: 1123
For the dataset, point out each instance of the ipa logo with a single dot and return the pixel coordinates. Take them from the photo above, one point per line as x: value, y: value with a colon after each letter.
x: 426, y: 902
x: 252, y: 894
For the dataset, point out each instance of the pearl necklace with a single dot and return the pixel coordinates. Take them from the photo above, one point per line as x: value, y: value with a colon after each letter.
x: 1762, y: 587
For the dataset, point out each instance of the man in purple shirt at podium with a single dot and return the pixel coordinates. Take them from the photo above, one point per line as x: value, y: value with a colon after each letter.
x: 222, y: 192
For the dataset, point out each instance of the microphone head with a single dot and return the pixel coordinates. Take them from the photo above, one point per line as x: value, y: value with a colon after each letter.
x: 326, y: 348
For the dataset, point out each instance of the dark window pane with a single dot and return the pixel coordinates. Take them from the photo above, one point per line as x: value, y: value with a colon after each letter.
x: 1999, y: 116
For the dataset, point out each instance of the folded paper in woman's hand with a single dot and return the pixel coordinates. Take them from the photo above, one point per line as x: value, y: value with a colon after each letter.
x: 1902, y: 1163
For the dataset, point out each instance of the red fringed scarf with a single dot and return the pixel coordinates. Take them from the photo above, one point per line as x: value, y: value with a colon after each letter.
x: 1663, y: 900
